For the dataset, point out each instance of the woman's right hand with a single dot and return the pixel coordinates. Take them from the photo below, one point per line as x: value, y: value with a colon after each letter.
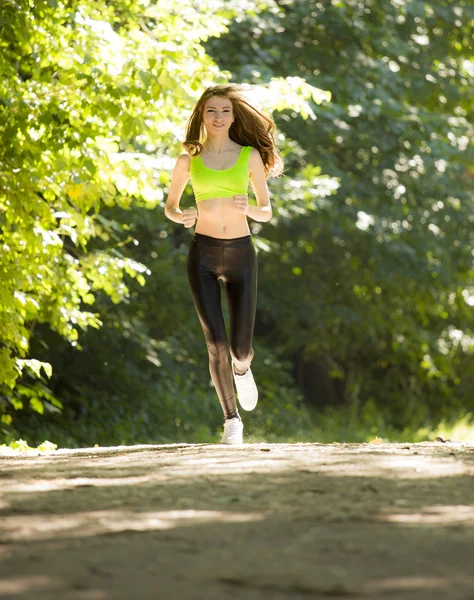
x: 189, y: 217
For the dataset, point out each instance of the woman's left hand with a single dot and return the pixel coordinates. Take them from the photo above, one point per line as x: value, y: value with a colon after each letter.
x: 241, y: 203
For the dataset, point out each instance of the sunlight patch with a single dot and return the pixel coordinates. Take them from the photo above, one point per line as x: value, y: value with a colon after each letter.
x: 32, y: 583
x: 394, y: 584
x: 87, y: 524
x: 434, y: 515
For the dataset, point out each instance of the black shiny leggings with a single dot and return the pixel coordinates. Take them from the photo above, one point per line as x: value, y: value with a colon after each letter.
x: 234, y: 262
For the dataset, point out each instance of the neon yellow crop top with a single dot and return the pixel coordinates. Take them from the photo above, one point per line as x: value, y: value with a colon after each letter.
x: 225, y: 183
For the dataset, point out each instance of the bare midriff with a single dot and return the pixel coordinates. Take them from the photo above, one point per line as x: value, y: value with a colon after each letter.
x: 218, y: 218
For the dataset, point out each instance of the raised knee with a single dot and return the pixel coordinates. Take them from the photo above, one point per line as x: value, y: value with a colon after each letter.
x: 242, y: 356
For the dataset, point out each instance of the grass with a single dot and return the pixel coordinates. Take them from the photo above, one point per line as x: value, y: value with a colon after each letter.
x: 345, y: 426
x: 342, y: 425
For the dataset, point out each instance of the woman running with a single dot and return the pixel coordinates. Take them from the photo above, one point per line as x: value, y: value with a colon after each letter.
x: 228, y: 142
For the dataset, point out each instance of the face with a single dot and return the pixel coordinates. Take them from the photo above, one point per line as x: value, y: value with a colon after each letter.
x: 218, y: 115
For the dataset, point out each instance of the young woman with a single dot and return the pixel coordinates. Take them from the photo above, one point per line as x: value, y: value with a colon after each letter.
x: 228, y: 142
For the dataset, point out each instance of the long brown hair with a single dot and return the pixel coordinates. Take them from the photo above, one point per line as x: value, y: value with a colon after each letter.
x: 250, y: 128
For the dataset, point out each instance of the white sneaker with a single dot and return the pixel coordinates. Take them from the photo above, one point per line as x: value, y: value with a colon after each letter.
x: 233, y: 432
x: 247, y: 393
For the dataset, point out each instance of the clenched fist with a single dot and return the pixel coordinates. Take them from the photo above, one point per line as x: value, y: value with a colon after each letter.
x: 241, y: 203
x: 189, y: 217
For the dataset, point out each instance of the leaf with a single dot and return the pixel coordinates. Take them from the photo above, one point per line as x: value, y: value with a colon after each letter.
x: 37, y: 405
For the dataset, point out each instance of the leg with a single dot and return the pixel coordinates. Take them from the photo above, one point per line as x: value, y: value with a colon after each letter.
x: 206, y: 294
x: 241, y: 290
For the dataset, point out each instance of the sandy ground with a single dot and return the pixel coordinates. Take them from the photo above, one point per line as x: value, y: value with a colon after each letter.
x: 261, y: 521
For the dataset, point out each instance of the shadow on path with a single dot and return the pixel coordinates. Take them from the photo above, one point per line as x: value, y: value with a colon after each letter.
x: 261, y: 521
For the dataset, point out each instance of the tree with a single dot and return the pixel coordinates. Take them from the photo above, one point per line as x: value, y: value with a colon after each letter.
x: 370, y: 291
x: 93, y: 98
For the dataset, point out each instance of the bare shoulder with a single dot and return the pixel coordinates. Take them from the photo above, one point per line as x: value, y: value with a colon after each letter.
x: 255, y: 161
x: 255, y: 155
x: 183, y: 163
x: 184, y: 159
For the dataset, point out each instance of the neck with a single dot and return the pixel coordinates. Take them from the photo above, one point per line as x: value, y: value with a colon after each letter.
x: 218, y: 144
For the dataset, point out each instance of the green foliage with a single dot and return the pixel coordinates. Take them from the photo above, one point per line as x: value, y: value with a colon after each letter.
x: 90, y: 97
x: 368, y: 282
x: 365, y: 424
x: 93, y: 99
x: 143, y: 377
x: 366, y: 274
x: 22, y: 447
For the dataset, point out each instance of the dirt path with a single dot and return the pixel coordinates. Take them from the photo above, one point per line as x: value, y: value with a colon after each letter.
x: 263, y: 521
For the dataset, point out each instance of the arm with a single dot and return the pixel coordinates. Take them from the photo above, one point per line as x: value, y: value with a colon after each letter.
x: 178, y: 183
x: 263, y: 211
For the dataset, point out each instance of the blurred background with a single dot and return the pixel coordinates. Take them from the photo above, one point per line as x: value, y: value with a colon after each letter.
x: 365, y: 312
